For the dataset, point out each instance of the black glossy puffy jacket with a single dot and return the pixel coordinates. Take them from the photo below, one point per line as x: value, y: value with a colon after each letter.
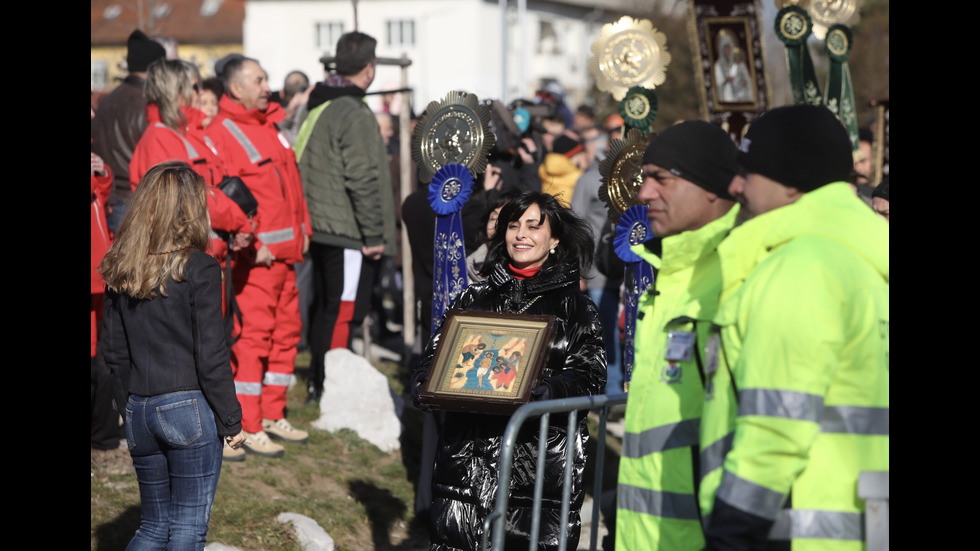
x: 464, y: 485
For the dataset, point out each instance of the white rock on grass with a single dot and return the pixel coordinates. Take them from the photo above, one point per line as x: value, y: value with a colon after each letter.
x: 357, y: 396
x: 310, y: 535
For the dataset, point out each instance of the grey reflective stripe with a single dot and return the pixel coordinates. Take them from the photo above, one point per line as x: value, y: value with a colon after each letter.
x: 750, y: 497
x: 713, y: 457
x: 213, y: 235
x: 661, y: 504
x: 210, y: 144
x: 788, y: 404
x: 253, y: 153
x: 248, y: 389
x: 281, y: 379
x: 810, y: 523
x: 854, y: 420
x: 276, y: 236
x: 658, y: 439
x: 191, y: 152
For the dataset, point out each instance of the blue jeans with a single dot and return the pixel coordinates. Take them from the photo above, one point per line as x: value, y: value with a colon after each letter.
x: 115, y: 218
x: 607, y: 299
x: 176, y: 451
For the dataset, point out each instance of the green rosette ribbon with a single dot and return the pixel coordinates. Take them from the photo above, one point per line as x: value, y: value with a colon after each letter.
x: 793, y: 27
x: 638, y: 108
x: 840, y: 89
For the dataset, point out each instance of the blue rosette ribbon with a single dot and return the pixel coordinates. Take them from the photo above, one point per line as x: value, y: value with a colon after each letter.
x: 633, y: 229
x: 451, y: 186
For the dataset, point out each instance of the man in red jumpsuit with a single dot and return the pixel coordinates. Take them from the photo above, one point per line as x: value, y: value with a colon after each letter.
x: 245, y: 134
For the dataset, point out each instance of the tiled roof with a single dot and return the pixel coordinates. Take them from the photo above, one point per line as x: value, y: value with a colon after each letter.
x: 183, y: 21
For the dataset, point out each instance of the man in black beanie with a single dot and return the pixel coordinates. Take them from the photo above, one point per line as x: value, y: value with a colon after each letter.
x: 797, y: 377
x: 790, y: 151
x: 121, y: 119
x: 686, y: 172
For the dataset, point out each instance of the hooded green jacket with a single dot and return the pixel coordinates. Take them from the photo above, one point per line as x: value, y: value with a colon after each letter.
x: 798, y: 404
x: 656, y: 501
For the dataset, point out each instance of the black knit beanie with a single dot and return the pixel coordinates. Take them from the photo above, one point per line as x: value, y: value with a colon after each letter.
x: 697, y: 151
x: 142, y: 50
x: 566, y: 145
x: 801, y: 146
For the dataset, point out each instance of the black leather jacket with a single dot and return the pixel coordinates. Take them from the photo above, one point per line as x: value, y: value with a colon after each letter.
x: 467, y: 463
x: 174, y: 342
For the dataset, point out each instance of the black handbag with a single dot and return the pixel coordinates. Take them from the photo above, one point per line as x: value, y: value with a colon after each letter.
x: 234, y: 188
x: 237, y: 191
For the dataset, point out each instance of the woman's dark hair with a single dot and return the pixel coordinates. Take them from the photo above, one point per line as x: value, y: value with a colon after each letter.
x: 501, y: 199
x: 573, y: 233
x: 214, y: 84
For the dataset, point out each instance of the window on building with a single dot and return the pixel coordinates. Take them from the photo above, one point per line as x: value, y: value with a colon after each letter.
x: 327, y: 34
x: 548, y: 39
x: 401, y: 32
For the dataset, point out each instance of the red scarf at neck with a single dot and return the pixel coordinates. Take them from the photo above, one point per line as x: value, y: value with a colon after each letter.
x: 527, y: 273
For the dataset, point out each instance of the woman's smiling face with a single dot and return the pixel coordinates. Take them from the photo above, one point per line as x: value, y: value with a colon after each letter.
x: 529, y: 239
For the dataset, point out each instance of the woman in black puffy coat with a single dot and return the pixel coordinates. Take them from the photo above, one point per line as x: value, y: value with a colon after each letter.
x: 533, y: 266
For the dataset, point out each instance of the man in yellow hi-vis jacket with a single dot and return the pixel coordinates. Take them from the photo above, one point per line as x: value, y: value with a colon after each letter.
x: 797, y: 392
x: 687, y: 169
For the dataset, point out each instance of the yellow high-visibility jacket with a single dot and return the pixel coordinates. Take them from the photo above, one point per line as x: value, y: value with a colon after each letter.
x: 657, y: 491
x: 798, y: 404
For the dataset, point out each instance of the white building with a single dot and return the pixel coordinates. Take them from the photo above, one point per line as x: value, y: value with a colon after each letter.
x: 493, y: 48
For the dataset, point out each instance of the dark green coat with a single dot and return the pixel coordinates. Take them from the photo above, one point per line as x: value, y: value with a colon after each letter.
x: 346, y: 177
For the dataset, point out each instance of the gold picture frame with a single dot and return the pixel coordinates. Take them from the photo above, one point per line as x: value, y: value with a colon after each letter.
x: 487, y: 362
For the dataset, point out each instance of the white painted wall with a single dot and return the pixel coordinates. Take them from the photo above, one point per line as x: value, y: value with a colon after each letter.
x: 457, y: 45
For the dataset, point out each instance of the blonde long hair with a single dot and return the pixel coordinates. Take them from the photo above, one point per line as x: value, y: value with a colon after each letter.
x: 167, y: 218
x: 167, y: 82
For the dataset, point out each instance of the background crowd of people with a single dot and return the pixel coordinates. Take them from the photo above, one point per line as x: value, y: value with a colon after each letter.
x: 319, y: 249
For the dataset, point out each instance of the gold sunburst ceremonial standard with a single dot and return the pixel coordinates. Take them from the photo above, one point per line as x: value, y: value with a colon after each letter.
x: 453, y: 131
x: 629, y: 53
x: 827, y: 13
x: 622, y: 173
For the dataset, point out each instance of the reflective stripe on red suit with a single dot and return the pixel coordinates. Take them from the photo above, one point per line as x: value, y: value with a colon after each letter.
x: 263, y: 357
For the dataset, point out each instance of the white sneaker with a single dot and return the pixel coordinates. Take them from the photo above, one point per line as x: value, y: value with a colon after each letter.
x: 259, y: 444
x: 282, y: 430
x: 229, y: 454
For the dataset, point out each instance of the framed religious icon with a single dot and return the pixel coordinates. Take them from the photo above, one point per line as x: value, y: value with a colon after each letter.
x: 731, y: 57
x: 487, y: 362
x: 732, y: 63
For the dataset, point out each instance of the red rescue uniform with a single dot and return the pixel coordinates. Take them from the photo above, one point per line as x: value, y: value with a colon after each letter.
x: 252, y: 148
x: 161, y: 143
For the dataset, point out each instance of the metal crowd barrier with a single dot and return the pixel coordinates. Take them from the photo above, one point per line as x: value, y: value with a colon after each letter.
x: 545, y: 408
x: 873, y: 489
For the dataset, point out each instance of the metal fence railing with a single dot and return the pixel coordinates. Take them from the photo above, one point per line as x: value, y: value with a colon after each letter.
x: 495, y: 521
x: 872, y: 486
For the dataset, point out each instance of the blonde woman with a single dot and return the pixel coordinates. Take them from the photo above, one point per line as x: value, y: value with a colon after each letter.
x: 164, y: 342
x: 175, y: 130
